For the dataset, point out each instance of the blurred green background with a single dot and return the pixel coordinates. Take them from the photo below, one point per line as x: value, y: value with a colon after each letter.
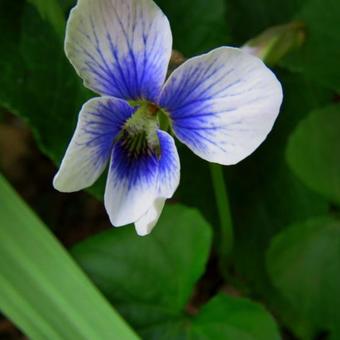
x: 282, y: 278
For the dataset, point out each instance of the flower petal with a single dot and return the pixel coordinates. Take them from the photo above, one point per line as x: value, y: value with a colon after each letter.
x: 134, y: 185
x: 147, y: 222
x: 169, y: 166
x: 222, y: 104
x: 120, y: 47
x: 100, y: 120
x: 168, y: 180
x: 131, y: 186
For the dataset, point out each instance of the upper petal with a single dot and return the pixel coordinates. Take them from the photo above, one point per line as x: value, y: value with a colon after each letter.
x: 120, y: 47
x: 134, y: 185
x: 222, y: 104
x: 100, y: 120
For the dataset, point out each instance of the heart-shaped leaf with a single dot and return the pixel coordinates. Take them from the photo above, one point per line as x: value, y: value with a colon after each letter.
x: 149, y: 279
x: 313, y: 152
x: 304, y: 264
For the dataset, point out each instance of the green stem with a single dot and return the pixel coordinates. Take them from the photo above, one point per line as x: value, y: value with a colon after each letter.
x: 226, y: 239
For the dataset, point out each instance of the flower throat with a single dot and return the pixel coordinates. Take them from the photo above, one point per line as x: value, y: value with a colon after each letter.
x: 139, y: 134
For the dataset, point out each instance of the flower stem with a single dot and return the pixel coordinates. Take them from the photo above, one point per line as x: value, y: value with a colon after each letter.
x: 226, y: 238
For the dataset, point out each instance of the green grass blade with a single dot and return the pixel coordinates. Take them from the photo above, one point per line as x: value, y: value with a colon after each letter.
x: 41, y: 288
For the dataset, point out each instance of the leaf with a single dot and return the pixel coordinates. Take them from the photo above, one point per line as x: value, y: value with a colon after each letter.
x: 319, y: 56
x: 226, y: 317
x: 149, y: 279
x: 313, y: 152
x: 222, y: 318
x: 37, y: 82
x: 197, y: 25
x: 265, y: 194
x: 304, y: 264
x: 51, y: 11
x: 249, y: 18
x: 41, y: 288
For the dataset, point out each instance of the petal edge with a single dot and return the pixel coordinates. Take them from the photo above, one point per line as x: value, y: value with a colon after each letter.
x: 100, y: 120
x: 119, y: 48
x: 223, y: 104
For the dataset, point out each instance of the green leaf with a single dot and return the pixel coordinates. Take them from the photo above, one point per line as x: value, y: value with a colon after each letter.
x: 41, y: 288
x: 319, y: 56
x: 222, y: 318
x: 226, y: 317
x: 37, y: 81
x: 265, y: 194
x: 249, y: 18
x: 313, y: 152
x: 197, y: 25
x: 149, y: 279
x: 304, y: 264
x: 51, y: 11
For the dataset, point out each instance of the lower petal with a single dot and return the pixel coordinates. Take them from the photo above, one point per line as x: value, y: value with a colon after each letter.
x: 131, y: 186
x: 100, y: 120
x: 148, y: 221
x: 137, y: 187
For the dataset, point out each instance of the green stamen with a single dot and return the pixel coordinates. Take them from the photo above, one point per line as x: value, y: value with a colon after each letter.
x: 139, y: 134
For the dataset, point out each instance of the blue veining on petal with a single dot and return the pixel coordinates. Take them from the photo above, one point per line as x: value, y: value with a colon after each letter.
x: 102, y: 124
x: 111, y: 62
x: 199, y: 95
x: 134, y: 171
x: 145, y: 169
x: 189, y: 97
x: 137, y: 179
x: 168, y: 167
x: 222, y: 104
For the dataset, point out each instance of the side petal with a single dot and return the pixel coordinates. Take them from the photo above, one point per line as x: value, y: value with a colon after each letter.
x: 148, y: 221
x: 136, y: 186
x: 99, y: 122
x: 222, y: 104
x: 120, y: 47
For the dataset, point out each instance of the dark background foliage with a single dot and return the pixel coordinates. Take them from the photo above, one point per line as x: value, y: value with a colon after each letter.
x: 283, y: 277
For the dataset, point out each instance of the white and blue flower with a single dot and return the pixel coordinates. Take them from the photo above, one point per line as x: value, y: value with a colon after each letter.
x: 221, y: 105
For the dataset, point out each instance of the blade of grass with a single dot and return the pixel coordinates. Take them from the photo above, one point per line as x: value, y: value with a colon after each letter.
x: 42, y: 289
